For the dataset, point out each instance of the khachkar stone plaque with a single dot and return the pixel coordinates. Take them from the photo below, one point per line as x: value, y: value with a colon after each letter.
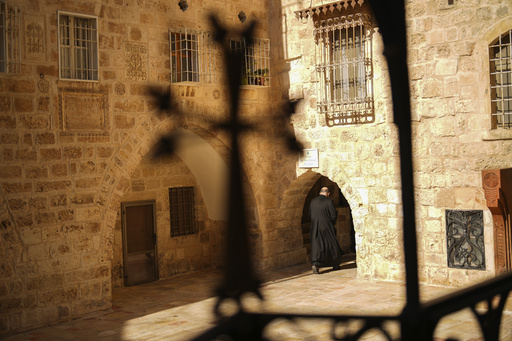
x: 497, y: 184
x: 465, y: 239
x: 83, y: 111
x: 136, y: 61
x: 34, y: 38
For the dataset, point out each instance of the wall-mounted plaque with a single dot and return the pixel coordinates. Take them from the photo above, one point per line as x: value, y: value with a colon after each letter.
x: 83, y: 111
x: 309, y: 159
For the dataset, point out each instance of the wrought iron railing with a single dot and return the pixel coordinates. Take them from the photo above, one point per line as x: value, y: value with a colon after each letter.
x: 417, y: 320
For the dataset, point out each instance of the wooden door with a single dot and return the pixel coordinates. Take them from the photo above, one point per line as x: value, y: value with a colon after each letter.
x: 139, y: 242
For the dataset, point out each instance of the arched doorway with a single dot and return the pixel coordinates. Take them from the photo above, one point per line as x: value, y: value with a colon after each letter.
x: 147, y: 179
x: 344, y: 224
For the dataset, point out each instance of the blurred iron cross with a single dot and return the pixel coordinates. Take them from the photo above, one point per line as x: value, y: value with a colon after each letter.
x: 239, y: 277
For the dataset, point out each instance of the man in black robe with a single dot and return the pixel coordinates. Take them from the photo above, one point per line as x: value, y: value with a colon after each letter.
x: 325, y: 250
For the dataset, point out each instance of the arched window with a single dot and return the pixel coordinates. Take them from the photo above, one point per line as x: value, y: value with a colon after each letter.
x: 500, y: 59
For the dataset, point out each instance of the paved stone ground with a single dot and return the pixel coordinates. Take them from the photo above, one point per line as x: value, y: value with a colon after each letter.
x: 181, y: 307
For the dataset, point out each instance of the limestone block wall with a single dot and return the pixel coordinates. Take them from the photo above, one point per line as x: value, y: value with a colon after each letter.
x: 449, y: 70
x: 362, y: 160
x: 151, y: 181
x: 453, y: 141
x: 70, y: 152
x: 343, y: 229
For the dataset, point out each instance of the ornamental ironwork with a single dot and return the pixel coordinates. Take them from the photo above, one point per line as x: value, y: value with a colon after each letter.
x: 465, y: 239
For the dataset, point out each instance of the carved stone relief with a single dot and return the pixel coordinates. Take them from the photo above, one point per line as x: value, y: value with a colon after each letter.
x: 34, y: 38
x: 83, y: 111
x: 136, y: 61
x: 497, y: 184
x: 43, y: 85
x: 120, y: 89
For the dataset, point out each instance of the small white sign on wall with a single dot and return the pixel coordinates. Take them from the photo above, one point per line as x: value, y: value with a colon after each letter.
x: 309, y: 159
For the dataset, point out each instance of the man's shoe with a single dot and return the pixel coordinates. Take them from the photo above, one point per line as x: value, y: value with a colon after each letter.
x: 315, y: 269
x: 337, y: 267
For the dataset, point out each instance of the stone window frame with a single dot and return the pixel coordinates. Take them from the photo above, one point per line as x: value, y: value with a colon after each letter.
x: 182, y: 211
x: 78, y: 47
x: 197, y: 50
x: 255, y: 60
x: 10, y: 48
x: 500, y: 71
x: 334, y: 69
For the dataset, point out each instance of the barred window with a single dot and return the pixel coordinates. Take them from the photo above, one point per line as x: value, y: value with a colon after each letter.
x: 192, y: 56
x: 78, y: 47
x: 10, y: 50
x: 344, y: 69
x: 501, y: 81
x: 182, y: 211
x: 255, y: 62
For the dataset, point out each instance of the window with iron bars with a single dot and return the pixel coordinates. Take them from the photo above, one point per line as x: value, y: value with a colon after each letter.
x: 182, y: 211
x: 192, y: 56
x: 10, y: 50
x: 500, y: 58
x: 344, y: 69
x: 78, y: 47
x: 255, y: 62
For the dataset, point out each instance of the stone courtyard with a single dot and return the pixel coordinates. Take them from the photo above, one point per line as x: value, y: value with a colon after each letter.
x: 78, y: 138
x: 181, y: 307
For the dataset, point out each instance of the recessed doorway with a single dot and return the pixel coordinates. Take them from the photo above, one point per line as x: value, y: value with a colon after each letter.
x: 139, y: 242
x: 345, y: 233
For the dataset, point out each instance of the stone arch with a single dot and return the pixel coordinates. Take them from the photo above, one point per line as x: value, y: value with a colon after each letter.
x: 127, y: 158
x: 291, y: 210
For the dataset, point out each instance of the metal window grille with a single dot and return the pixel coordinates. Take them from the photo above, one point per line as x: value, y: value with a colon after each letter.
x: 182, y: 211
x: 10, y: 50
x: 192, y: 56
x: 501, y: 81
x: 256, y: 60
x: 78, y: 47
x: 344, y: 69
x: 465, y: 239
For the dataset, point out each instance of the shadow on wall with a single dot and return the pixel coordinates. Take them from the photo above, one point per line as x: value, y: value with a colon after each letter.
x: 344, y: 223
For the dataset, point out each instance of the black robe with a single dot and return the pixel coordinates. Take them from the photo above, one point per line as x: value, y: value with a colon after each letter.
x: 325, y: 250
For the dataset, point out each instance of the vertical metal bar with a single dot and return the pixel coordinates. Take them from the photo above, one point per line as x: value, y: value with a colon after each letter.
x: 325, y: 64
x: 72, y: 52
x: 18, y: 39
x: 9, y: 39
x: 87, y: 49
x: 12, y: 53
x: 181, y: 69
x: 204, y: 62
x: 3, y: 28
x: 391, y: 19
x: 328, y: 61
x: 336, y: 53
x: 362, y: 77
x: 248, y: 69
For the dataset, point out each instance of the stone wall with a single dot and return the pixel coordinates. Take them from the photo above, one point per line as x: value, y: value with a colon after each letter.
x: 453, y: 142
x: 70, y: 154
x: 453, y: 138
x: 71, y: 151
x: 151, y: 181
